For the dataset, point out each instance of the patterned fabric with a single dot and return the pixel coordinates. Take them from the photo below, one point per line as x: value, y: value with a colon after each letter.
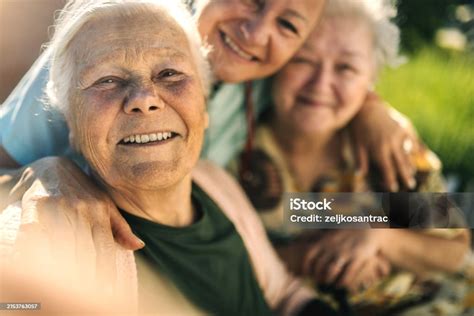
x: 400, y: 292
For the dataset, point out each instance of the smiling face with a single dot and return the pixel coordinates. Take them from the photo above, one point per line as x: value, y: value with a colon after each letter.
x: 325, y: 84
x: 137, y: 112
x: 252, y: 39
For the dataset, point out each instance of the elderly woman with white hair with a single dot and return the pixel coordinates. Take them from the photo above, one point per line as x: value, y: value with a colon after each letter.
x: 248, y: 40
x: 131, y: 80
x: 303, y: 146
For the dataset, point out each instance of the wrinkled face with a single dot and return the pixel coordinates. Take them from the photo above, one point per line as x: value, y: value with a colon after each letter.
x: 252, y: 39
x: 137, y: 111
x: 326, y: 82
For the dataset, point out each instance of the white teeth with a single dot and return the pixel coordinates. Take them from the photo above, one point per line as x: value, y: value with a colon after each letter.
x: 146, y: 138
x: 236, y: 48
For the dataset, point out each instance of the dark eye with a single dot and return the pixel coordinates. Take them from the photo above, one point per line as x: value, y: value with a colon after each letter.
x: 300, y: 61
x: 109, y: 82
x: 344, y: 67
x: 167, y: 73
x: 288, y: 25
x: 170, y: 75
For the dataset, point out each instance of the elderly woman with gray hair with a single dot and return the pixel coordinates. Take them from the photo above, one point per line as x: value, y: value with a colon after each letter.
x: 305, y: 139
x: 131, y: 80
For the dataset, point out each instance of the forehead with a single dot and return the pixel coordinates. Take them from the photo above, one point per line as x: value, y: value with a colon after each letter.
x: 341, y: 33
x: 136, y: 31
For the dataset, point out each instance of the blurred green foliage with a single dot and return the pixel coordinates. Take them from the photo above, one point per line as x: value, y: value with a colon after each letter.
x: 435, y: 89
x: 419, y: 20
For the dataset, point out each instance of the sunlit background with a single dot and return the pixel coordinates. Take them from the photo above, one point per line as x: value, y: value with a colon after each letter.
x: 435, y: 87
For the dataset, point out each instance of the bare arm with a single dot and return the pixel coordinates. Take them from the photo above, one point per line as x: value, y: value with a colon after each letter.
x: 380, y: 134
x: 421, y: 252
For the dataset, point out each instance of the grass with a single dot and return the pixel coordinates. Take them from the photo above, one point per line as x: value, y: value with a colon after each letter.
x: 435, y: 89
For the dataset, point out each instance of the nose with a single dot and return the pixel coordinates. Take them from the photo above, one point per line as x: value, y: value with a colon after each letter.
x: 256, y: 31
x: 321, y: 80
x: 143, y: 100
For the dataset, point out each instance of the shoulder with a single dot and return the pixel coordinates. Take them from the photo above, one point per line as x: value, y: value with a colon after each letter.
x: 215, y: 179
x: 226, y: 192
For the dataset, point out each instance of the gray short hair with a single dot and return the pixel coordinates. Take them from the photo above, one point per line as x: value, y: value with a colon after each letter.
x: 77, y: 13
x: 378, y: 14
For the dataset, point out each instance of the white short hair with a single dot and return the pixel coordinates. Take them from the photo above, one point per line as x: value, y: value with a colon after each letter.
x: 378, y: 14
x: 77, y: 13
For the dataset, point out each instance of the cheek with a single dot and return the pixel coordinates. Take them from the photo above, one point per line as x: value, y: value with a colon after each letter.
x: 214, y: 12
x: 287, y: 85
x: 282, y: 50
x: 187, y: 100
x: 93, y: 118
x: 352, y: 94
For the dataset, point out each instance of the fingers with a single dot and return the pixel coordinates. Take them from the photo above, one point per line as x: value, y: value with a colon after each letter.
x: 85, y: 253
x: 334, y: 270
x: 32, y: 241
x: 310, y: 258
x: 24, y: 180
x: 122, y: 231
x: 362, y: 159
x: 351, y: 272
x: 105, y: 255
x: 76, y: 230
x: 372, y: 271
x: 383, y: 267
x: 321, y: 264
x: 387, y: 168
x: 405, y: 169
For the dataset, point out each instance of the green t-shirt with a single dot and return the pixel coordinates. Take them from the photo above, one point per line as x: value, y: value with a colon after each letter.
x: 207, y: 261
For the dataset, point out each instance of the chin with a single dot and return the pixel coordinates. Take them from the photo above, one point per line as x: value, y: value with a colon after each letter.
x: 147, y: 175
x: 315, y: 128
x: 157, y: 176
x: 224, y: 69
x: 222, y: 73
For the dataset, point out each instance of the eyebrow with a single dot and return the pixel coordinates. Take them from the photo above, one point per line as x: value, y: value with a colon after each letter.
x: 351, y: 53
x: 87, y: 71
x: 296, y: 15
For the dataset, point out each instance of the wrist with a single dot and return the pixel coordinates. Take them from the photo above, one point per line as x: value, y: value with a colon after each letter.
x: 384, y: 237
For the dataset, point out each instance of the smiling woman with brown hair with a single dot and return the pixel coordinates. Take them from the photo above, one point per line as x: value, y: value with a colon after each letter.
x: 130, y: 79
x: 247, y: 40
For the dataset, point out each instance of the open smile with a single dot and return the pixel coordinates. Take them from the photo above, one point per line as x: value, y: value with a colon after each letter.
x: 235, y: 48
x: 305, y: 101
x: 148, y: 139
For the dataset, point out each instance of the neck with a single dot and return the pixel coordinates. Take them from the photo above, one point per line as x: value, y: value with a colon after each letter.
x: 307, y: 156
x: 170, y: 206
x: 296, y: 144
